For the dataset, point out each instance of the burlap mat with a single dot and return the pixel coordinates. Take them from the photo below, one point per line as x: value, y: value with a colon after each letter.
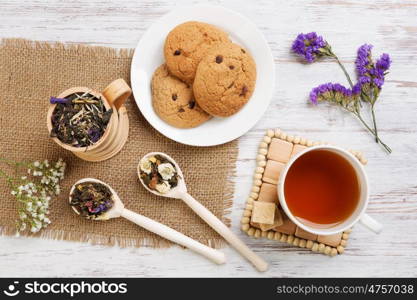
x: 31, y: 72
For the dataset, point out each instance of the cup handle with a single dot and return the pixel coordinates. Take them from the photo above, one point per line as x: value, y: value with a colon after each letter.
x: 117, y: 92
x: 371, y: 223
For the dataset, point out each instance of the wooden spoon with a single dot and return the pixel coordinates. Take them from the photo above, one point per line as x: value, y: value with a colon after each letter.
x: 180, y: 192
x: 118, y: 210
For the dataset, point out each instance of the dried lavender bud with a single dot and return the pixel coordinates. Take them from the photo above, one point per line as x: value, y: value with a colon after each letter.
x: 55, y: 100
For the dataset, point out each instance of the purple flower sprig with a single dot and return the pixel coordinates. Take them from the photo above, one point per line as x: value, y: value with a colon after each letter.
x: 371, y: 77
x: 312, y: 46
x: 336, y: 93
x: 347, y: 98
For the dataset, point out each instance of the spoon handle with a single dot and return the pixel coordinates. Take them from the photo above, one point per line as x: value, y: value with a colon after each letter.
x: 225, y: 232
x: 174, y: 236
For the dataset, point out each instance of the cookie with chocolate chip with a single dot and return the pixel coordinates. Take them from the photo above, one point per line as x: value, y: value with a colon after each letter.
x: 173, y: 101
x: 225, y: 80
x: 187, y: 44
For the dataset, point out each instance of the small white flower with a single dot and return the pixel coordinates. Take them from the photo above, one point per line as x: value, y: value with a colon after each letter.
x: 24, y: 177
x: 22, y: 215
x: 166, y: 170
x: 36, y: 164
x: 14, y: 193
x: 146, y: 165
x: 163, y: 187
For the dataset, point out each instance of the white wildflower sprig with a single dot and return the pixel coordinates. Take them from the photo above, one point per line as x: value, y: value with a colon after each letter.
x: 33, y: 192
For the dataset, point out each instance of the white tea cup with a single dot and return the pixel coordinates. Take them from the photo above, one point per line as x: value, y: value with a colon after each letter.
x: 357, y: 215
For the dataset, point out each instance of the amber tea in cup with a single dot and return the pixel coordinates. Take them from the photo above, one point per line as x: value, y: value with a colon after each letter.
x: 321, y: 189
x: 325, y: 190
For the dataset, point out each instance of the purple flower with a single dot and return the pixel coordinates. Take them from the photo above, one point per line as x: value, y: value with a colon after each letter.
x: 334, y: 92
x: 363, y: 59
x: 371, y: 75
x: 310, y: 46
x: 379, y: 81
x: 94, y: 134
x: 384, y: 62
x: 364, y: 80
x: 357, y: 88
x: 55, y: 100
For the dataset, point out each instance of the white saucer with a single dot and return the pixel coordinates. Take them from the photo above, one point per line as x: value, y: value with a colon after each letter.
x: 149, y: 55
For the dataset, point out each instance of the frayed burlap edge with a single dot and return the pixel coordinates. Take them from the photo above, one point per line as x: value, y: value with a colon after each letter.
x: 76, y: 49
x: 95, y: 239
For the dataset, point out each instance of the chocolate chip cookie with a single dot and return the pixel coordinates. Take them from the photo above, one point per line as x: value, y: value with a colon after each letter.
x: 225, y: 80
x: 173, y: 101
x: 187, y: 44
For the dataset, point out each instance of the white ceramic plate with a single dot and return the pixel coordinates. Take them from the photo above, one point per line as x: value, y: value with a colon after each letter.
x: 149, y: 55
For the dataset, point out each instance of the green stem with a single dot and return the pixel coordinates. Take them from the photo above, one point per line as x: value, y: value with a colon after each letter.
x: 13, y: 163
x: 8, y: 178
x: 374, y: 122
x: 375, y: 130
x: 344, y: 70
x: 378, y: 140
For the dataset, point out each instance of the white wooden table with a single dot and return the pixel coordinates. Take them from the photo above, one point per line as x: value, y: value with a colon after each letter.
x: 391, y: 26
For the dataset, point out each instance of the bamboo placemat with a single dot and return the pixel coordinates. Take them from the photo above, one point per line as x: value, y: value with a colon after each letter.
x: 31, y: 72
x: 275, y: 149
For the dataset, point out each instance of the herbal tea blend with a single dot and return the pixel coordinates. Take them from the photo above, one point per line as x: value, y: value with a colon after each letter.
x: 91, y: 199
x: 80, y: 119
x: 158, y: 173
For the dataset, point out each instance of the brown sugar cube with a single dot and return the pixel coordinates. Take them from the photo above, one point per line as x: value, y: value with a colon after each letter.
x: 272, y: 171
x: 331, y: 240
x: 277, y: 221
x: 256, y: 225
x: 287, y: 227
x: 280, y: 150
x: 268, y: 193
x: 305, y: 234
x: 297, y: 148
x: 263, y: 212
